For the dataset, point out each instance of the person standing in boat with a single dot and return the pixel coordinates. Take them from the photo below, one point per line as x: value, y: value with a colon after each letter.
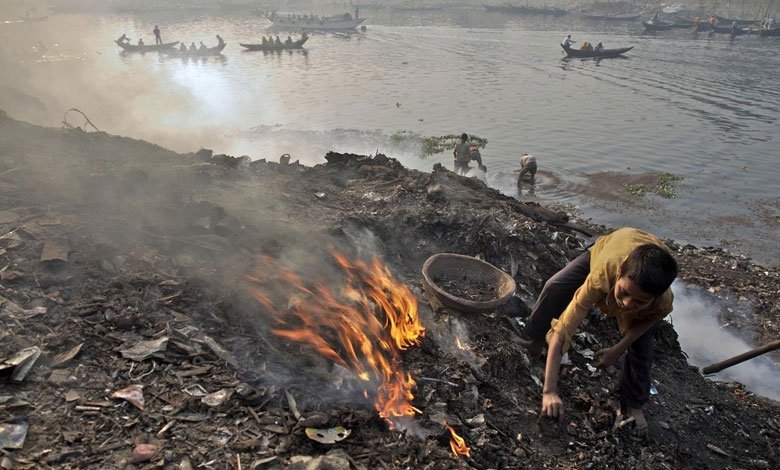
x: 157, y: 37
x: 462, y: 153
x: 568, y: 41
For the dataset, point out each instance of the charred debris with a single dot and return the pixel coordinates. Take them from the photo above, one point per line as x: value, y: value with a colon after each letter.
x: 128, y: 339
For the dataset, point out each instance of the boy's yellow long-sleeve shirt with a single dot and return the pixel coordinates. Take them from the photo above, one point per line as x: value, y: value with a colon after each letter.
x: 606, y: 257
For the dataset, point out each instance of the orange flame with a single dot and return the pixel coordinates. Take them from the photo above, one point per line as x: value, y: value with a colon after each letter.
x: 363, y: 328
x: 457, y: 444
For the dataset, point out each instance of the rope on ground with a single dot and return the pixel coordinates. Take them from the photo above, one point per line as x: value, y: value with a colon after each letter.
x: 86, y: 120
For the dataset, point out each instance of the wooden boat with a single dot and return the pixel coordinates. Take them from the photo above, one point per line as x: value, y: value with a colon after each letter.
x: 769, y: 32
x: 525, y: 10
x: 145, y: 47
x: 728, y: 30
x: 209, y: 51
x: 325, y: 24
x: 604, y: 53
x: 658, y: 26
x: 32, y: 19
x: 611, y: 17
x: 414, y: 8
x: 728, y: 21
x: 273, y: 47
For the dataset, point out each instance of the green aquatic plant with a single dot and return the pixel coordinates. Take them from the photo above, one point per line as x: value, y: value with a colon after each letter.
x: 665, y: 187
x: 442, y: 143
x: 433, y: 145
x: 638, y: 190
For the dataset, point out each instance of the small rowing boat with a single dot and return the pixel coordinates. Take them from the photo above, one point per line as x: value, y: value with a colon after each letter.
x: 276, y: 47
x: 658, y: 26
x: 319, y: 24
x: 611, y: 17
x: 209, y: 51
x: 604, y: 53
x: 145, y: 47
x: 728, y: 30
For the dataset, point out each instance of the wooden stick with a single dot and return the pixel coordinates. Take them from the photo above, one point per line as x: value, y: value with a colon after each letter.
x: 719, y: 366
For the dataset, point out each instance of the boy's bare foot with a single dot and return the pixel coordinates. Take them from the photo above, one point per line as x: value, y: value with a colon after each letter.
x: 533, y: 346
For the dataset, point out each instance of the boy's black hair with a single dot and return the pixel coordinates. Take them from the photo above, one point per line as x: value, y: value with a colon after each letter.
x: 464, y: 137
x: 651, y: 267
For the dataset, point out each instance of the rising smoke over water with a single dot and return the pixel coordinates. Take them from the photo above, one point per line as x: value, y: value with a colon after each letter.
x: 706, y: 341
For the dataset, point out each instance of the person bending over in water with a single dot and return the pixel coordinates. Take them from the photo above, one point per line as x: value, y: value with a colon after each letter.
x: 527, y: 167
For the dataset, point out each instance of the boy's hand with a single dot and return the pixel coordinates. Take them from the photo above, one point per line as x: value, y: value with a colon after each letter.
x: 552, y: 406
x: 607, y: 357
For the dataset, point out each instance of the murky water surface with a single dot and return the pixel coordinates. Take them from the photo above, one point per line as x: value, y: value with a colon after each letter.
x: 703, y: 108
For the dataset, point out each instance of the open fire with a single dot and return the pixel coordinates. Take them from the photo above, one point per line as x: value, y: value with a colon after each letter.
x: 457, y: 444
x: 363, y: 326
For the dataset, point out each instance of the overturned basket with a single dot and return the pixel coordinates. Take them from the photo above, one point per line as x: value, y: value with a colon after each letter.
x: 452, y: 266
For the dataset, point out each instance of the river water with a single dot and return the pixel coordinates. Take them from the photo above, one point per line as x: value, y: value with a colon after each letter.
x: 702, y: 108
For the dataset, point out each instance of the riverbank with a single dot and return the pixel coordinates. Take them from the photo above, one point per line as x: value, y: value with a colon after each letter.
x: 126, y: 264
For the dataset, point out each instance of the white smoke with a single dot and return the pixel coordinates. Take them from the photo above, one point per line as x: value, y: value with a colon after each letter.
x: 706, y: 341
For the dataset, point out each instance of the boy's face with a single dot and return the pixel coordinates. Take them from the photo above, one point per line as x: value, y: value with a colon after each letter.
x: 630, y: 297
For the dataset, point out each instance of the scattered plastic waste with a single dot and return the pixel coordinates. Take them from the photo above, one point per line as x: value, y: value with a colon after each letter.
x: 20, y: 363
x: 63, y: 358
x: 217, y: 398
x: 328, y: 436
x: 132, y: 394
x: 195, y: 391
x: 12, y: 434
x: 146, y: 349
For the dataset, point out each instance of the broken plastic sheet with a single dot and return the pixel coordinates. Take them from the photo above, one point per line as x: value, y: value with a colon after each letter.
x: 12, y: 434
x: 20, y: 363
x: 146, y: 349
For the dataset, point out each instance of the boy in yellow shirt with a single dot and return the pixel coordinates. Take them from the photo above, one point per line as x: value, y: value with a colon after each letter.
x: 626, y: 274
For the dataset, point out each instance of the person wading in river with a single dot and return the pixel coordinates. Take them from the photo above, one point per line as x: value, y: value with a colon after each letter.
x: 626, y: 274
x: 462, y: 153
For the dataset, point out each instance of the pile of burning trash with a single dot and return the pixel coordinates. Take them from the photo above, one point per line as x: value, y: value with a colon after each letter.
x: 188, y: 311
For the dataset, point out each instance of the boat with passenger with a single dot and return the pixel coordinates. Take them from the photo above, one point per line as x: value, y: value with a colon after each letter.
x: 603, y: 53
x: 145, y: 47
x: 276, y: 47
x: 314, y: 22
x: 200, y: 52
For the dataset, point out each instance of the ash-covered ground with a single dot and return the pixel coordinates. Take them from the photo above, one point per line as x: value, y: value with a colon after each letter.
x: 125, y: 264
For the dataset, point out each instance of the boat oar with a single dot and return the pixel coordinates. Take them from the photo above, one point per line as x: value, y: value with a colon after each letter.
x: 719, y: 366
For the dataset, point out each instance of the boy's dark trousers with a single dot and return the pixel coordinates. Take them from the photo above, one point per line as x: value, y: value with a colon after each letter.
x: 555, y: 297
